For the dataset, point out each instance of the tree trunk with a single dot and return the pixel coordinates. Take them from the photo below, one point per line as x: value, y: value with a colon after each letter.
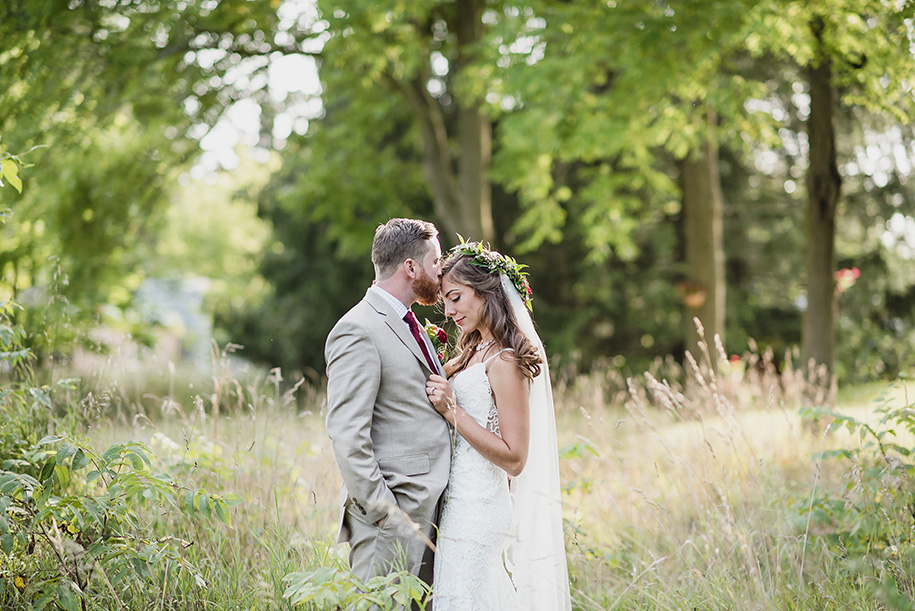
x: 818, y: 344
x: 456, y: 166
x: 475, y: 135
x: 703, y: 293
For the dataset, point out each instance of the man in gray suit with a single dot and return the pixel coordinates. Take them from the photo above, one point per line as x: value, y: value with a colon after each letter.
x: 392, y: 447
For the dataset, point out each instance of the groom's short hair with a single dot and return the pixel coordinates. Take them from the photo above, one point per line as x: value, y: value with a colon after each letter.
x: 399, y: 240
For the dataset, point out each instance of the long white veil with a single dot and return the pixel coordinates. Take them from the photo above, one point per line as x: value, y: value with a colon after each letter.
x: 536, y: 556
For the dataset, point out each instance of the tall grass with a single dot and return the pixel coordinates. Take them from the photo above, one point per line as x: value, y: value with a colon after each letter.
x: 690, y: 491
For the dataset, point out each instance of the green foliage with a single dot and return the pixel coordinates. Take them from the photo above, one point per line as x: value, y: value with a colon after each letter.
x: 10, y: 166
x: 868, y: 41
x: 123, y: 92
x: 646, y: 77
x: 870, y: 527
x: 590, y: 104
x: 73, y: 521
x: 96, y: 219
x: 313, y: 277
x: 9, y: 172
x: 70, y: 67
x: 332, y: 588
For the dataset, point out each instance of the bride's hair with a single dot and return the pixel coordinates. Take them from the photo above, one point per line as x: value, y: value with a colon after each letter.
x: 497, y: 315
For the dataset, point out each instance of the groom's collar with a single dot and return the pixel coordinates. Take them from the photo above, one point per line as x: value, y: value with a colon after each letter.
x: 396, y: 304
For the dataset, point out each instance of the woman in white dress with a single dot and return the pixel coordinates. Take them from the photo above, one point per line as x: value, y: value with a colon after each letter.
x: 500, y: 544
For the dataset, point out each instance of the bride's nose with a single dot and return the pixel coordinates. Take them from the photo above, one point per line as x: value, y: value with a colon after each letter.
x: 449, y: 311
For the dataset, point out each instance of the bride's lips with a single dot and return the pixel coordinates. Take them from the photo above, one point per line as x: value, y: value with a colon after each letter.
x: 458, y: 322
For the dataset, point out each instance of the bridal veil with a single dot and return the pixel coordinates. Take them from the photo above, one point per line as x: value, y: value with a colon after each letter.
x: 536, y: 555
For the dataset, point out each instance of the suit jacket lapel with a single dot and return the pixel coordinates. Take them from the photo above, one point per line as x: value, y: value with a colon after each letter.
x: 438, y: 366
x: 398, y: 326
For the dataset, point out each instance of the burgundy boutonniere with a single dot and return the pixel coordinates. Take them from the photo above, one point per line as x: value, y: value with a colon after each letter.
x: 439, y: 340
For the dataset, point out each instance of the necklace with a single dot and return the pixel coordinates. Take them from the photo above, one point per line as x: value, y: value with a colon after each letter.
x: 484, y: 344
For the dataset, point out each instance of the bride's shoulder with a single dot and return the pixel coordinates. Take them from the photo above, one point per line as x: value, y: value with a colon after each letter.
x: 506, y: 379
x: 503, y: 364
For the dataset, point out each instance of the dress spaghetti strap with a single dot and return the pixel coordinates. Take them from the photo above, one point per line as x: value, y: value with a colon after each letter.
x: 489, y: 360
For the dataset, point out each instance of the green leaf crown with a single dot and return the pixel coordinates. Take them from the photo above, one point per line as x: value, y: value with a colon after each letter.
x: 495, y: 263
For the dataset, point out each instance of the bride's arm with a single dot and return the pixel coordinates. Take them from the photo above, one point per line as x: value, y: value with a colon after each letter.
x: 511, y: 390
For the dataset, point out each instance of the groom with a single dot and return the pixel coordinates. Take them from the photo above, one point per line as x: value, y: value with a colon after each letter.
x: 392, y: 447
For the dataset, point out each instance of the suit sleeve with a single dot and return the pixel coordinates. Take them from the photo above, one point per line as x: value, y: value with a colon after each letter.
x: 353, y: 379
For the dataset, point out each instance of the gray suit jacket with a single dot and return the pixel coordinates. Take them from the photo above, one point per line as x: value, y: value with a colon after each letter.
x: 390, y: 443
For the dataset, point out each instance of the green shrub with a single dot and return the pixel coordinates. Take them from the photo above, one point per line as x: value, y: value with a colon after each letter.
x: 73, y: 527
x: 330, y: 587
x: 872, y: 525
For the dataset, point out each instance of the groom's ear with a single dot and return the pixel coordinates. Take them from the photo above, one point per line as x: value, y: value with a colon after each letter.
x: 409, y: 267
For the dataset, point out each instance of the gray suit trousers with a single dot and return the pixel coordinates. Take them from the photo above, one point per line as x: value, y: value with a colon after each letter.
x: 398, y: 544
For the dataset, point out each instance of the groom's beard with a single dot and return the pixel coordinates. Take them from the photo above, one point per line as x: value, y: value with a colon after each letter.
x: 426, y: 289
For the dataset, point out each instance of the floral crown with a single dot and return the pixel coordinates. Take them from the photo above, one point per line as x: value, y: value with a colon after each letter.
x: 495, y: 263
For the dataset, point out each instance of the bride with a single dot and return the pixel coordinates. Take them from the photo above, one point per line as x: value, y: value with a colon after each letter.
x: 500, y: 542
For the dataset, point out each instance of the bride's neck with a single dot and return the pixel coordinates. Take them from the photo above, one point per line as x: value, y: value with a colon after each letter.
x: 486, y: 336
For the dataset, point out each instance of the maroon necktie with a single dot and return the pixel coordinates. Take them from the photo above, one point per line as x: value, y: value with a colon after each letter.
x: 410, y: 317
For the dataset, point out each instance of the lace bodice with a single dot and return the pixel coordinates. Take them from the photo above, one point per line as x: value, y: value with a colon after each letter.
x: 477, y: 515
x: 474, y: 394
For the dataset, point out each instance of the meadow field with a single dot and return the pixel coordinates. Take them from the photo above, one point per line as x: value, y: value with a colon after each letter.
x: 708, y: 493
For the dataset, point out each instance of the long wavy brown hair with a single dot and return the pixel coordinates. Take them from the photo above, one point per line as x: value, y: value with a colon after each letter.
x: 497, y: 315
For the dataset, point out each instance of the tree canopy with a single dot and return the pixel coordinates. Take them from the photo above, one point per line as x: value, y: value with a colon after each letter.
x: 650, y: 161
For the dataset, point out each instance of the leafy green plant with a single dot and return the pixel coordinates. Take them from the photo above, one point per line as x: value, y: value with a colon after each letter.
x: 9, y: 170
x: 872, y: 525
x: 69, y: 513
x: 330, y: 587
x: 80, y: 513
x: 73, y: 521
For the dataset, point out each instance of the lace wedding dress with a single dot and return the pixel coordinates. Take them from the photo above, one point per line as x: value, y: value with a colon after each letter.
x: 476, y: 522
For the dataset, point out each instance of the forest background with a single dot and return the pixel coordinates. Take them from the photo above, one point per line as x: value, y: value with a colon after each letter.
x: 650, y: 162
x: 196, y: 184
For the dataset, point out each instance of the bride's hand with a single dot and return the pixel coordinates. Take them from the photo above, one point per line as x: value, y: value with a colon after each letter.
x: 441, y: 396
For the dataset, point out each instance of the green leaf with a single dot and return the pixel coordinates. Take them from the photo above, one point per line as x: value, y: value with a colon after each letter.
x: 136, y: 460
x: 9, y: 484
x: 904, y: 451
x: 9, y: 171
x: 80, y: 460
x: 112, y: 453
x: 66, y: 598
x: 203, y: 503
x: 222, y: 512
x: 47, y: 471
x: 63, y: 475
x: 189, y: 502
x: 66, y: 451
x: 41, y: 396
x: 15, y: 356
x: 44, y: 601
x: 233, y: 499
x: 6, y: 543
x: 6, y: 336
x: 143, y: 452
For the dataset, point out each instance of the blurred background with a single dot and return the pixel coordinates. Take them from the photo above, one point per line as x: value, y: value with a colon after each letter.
x: 209, y: 174
x: 189, y: 194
